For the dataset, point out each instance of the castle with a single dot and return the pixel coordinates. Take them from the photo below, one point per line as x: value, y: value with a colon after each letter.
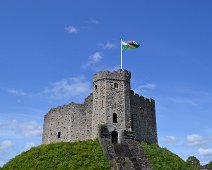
x: 111, y: 103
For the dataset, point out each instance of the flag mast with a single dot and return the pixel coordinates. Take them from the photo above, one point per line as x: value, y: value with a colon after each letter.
x: 121, y: 53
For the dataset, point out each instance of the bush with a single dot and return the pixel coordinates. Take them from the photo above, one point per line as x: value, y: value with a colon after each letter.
x: 210, y: 165
x: 193, y: 162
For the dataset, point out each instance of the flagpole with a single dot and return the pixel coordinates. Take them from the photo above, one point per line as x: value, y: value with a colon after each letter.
x: 121, y: 53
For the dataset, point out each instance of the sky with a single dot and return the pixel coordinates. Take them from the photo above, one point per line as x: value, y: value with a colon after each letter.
x: 50, y: 50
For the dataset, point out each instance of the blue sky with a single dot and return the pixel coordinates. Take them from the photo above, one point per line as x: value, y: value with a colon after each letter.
x: 49, y: 51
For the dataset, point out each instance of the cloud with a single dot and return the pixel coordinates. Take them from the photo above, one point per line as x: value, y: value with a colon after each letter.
x: 6, y: 144
x: 183, y: 100
x: 93, y: 59
x: 72, y: 29
x: 169, y: 140
x: 63, y: 89
x: 16, y: 92
x: 27, y: 129
x: 93, y: 21
x: 69, y: 87
x: 205, y: 152
x: 196, y: 139
x: 108, y: 45
x: 145, y: 87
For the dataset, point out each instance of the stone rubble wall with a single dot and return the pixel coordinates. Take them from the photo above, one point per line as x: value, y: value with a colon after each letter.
x: 143, y: 118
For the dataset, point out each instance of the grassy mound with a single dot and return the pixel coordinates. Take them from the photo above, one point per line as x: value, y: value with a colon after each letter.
x: 61, y: 156
x: 163, y: 159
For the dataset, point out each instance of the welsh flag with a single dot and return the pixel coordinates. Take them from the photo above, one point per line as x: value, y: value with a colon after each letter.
x: 128, y: 45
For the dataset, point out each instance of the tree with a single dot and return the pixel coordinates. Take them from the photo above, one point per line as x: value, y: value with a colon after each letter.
x: 194, y: 162
x: 210, y: 165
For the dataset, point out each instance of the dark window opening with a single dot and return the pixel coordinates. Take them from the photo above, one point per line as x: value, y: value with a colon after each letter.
x: 95, y: 87
x: 114, y: 136
x: 102, y: 104
x: 59, y: 135
x: 116, y: 85
x: 114, y: 118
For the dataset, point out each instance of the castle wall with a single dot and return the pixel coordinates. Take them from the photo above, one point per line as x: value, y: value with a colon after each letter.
x: 143, y: 118
x: 72, y: 121
x: 111, y: 95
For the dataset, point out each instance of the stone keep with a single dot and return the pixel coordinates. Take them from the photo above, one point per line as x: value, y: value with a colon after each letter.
x: 113, y: 103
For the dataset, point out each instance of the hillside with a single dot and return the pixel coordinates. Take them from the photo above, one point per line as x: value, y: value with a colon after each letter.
x: 63, y: 156
x: 163, y: 159
x: 86, y: 155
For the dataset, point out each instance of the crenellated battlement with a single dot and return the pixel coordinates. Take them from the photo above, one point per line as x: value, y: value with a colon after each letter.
x: 123, y: 75
x: 141, y: 98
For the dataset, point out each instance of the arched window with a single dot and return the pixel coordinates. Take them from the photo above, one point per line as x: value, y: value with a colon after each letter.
x: 114, y: 118
x: 58, y: 134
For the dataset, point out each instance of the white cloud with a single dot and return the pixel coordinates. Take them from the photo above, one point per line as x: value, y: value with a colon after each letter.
x: 108, y: 45
x: 6, y: 144
x: 182, y: 100
x: 68, y: 88
x: 93, y: 59
x: 27, y: 129
x: 72, y: 29
x: 150, y: 86
x: 17, y: 92
x: 169, y: 140
x: 93, y: 21
x: 196, y: 139
x: 29, y: 145
x: 205, y: 152
x: 145, y: 87
x: 30, y: 129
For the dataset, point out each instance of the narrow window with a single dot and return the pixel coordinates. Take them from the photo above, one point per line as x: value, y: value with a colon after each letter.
x: 116, y: 85
x: 102, y: 104
x: 114, y: 118
x: 95, y: 87
x: 58, y: 134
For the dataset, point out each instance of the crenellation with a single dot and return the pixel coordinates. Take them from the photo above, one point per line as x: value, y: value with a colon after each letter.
x: 111, y: 102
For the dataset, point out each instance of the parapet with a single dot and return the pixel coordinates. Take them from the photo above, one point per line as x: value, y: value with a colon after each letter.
x: 120, y: 74
x: 141, y: 98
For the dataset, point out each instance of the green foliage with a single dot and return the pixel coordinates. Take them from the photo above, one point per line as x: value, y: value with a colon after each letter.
x: 210, y: 165
x: 193, y: 162
x: 163, y: 159
x: 61, y: 156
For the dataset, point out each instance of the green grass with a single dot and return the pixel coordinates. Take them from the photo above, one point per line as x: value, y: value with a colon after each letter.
x: 61, y: 156
x: 163, y: 159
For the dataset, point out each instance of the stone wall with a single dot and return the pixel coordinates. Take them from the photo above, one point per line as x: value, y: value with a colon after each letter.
x: 143, y: 118
x: 70, y: 122
x: 111, y: 95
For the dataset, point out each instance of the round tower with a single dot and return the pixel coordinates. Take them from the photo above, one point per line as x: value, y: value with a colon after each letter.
x: 111, y: 102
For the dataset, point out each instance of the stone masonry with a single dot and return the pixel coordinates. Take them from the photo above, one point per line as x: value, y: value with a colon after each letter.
x: 113, y: 103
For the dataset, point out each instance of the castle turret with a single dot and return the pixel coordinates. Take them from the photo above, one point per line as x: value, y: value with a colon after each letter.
x: 111, y: 102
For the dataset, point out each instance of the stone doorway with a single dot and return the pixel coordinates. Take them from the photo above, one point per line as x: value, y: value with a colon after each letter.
x: 114, y: 136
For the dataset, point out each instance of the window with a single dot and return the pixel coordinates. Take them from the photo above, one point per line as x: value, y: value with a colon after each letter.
x: 102, y: 104
x: 114, y: 118
x: 95, y: 87
x: 116, y: 85
x: 58, y: 134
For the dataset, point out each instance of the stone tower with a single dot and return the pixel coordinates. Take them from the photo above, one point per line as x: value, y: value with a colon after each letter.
x: 111, y: 101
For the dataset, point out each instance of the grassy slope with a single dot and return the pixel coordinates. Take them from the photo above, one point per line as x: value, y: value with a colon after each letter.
x: 163, y: 159
x: 61, y: 156
x: 86, y: 155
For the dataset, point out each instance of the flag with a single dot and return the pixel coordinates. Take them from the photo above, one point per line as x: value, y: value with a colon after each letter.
x: 128, y: 45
